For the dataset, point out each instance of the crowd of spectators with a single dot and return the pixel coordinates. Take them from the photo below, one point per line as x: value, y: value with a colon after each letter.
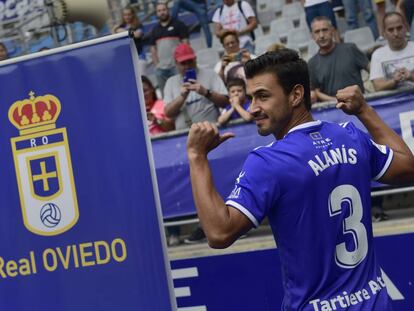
x: 206, y: 93
x: 218, y: 94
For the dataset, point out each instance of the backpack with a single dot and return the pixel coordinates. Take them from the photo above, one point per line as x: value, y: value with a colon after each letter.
x: 239, y: 4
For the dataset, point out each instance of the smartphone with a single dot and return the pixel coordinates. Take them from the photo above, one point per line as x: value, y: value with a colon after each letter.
x: 237, y: 57
x: 190, y: 74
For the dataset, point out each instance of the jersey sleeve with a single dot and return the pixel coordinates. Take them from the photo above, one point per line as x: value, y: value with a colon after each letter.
x: 255, y: 189
x: 380, y: 155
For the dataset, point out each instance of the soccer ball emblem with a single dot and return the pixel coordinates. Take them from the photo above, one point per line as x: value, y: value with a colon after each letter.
x: 50, y: 215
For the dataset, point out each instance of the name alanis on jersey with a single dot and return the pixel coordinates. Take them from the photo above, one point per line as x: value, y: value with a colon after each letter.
x: 333, y: 157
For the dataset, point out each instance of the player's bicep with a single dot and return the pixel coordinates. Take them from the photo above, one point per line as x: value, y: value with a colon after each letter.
x: 241, y: 223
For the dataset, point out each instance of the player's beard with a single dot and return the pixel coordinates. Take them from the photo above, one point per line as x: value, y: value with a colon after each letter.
x: 274, y: 123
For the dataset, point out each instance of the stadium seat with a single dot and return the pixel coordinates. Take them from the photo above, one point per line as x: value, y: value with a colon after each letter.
x: 362, y: 37
x: 313, y: 48
x: 281, y: 27
x: 212, y: 27
x: 207, y: 58
x: 264, y: 42
x: 299, y: 37
x: 342, y: 26
x: 302, y: 21
x: 198, y: 43
x: 153, y: 80
x: 278, y: 6
x: 293, y: 11
x: 216, y: 45
x: 266, y: 11
x: 258, y: 32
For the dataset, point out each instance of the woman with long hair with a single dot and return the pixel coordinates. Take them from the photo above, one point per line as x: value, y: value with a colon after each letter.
x: 132, y: 24
x: 157, y: 121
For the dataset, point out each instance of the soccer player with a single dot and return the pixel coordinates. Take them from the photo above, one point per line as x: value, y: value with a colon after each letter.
x: 312, y: 182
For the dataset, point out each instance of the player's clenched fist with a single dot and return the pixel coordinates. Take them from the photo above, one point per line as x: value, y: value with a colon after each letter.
x: 351, y: 100
x: 203, y: 138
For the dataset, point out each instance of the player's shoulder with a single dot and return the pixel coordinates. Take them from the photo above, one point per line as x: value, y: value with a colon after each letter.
x: 264, y: 149
x: 342, y: 129
x: 348, y: 127
x: 262, y: 157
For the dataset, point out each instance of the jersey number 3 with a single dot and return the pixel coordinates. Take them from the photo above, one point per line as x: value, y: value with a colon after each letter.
x: 348, y: 195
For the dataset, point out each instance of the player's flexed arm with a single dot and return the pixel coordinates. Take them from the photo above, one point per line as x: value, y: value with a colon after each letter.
x: 401, y: 170
x: 222, y: 224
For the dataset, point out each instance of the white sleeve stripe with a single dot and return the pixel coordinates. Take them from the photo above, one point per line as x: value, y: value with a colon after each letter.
x: 386, y: 165
x: 244, y: 210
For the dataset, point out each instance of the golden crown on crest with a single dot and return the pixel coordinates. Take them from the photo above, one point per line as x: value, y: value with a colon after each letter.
x: 35, y: 114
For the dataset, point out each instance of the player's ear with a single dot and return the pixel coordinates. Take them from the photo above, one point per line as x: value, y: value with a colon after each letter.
x: 296, y: 95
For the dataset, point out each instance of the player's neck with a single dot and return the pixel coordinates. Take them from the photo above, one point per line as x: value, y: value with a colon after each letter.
x: 302, y: 116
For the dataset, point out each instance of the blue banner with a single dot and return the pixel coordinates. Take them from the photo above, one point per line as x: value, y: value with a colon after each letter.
x: 172, y: 164
x: 80, y: 217
x: 253, y: 280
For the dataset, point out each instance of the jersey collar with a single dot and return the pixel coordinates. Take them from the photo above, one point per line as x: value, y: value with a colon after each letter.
x: 305, y: 125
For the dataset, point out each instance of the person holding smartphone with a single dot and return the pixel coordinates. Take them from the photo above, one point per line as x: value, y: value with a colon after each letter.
x: 194, y: 94
x: 233, y: 54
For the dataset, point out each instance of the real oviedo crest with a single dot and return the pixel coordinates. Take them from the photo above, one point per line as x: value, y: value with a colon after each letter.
x: 43, y: 166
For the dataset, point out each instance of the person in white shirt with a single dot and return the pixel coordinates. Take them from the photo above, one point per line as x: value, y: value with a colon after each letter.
x: 239, y: 17
x: 392, y: 66
x: 233, y: 54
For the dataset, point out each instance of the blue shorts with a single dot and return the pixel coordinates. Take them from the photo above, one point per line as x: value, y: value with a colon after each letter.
x: 321, y: 9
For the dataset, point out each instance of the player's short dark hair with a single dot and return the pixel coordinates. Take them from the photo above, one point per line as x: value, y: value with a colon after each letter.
x: 236, y: 82
x: 287, y: 66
